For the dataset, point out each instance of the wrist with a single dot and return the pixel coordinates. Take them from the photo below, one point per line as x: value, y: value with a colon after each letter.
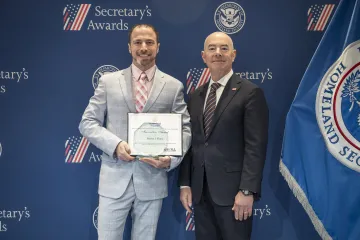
x: 246, y: 192
x: 115, y: 151
x: 169, y: 162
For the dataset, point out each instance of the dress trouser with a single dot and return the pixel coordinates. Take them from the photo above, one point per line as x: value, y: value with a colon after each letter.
x: 113, y: 213
x: 214, y: 222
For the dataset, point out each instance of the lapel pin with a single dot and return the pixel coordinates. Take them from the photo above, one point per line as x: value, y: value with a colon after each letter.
x: 233, y: 89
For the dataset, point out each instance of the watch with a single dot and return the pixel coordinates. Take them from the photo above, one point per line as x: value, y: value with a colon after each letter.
x: 246, y: 192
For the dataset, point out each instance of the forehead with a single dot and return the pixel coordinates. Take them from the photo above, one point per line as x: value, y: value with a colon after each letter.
x: 143, y: 32
x: 218, y: 40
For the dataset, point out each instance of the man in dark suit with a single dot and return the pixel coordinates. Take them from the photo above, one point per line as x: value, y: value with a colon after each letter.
x: 222, y: 171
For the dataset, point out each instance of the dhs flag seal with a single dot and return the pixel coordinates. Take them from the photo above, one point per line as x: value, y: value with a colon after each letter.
x: 321, y: 146
x: 338, y: 107
x: 229, y: 17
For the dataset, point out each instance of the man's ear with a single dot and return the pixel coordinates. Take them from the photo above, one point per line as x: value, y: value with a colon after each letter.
x: 202, y: 56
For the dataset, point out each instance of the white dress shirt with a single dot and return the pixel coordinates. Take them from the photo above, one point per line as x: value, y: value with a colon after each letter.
x: 223, y: 81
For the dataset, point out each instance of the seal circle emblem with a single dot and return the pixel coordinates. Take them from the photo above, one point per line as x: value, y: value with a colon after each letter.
x: 338, y: 107
x: 229, y: 17
x: 95, y: 217
x: 105, y: 69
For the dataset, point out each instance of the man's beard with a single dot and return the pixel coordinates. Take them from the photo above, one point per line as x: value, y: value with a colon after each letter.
x: 145, y: 62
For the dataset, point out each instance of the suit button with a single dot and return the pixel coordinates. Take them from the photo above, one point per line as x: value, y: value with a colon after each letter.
x: 206, y: 144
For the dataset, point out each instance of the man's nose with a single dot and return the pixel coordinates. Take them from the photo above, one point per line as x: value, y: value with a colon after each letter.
x: 143, y: 46
x: 218, y: 52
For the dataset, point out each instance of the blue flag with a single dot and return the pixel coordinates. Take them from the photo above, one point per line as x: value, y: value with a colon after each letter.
x: 321, y: 146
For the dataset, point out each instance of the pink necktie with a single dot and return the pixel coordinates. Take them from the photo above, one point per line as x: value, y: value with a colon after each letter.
x: 141, y: 92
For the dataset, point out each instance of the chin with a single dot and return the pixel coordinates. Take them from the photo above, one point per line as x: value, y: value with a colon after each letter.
x: 218, y: 66
x: 145, y: 63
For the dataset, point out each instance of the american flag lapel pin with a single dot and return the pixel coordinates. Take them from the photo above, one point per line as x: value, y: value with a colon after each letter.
x: 234, y: 89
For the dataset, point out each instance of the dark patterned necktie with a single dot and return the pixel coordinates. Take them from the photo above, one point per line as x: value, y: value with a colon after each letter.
x: 210, y: 107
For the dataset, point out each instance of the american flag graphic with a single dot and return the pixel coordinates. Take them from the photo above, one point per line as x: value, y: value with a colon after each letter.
x: 75, y: 149
x: 74, y: 16
x: 318, y: 16
x: 190, y: 221
x: 196, y: 77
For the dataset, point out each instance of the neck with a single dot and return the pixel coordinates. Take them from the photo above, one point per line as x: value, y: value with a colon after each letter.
x: 217, y: 75
x: 144, y: 67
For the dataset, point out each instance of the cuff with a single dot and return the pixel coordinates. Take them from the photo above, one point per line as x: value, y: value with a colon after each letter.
x: 173, y: 163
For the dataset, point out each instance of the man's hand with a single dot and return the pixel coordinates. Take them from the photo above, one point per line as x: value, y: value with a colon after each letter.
x: 243, y: 206
x: 186, y: 198
x: 163, y: 162
x: 123, y: 151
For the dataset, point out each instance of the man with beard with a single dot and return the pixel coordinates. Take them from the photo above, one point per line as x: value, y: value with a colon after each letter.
x: 128, y: 184
x: 222, y: 172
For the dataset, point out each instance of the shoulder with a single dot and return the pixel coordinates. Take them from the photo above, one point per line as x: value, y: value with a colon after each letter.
x: 251, y: 91
x: 170, y: 79
x: 112, y: 75
x: 248, y: 89
x: 248, y: 85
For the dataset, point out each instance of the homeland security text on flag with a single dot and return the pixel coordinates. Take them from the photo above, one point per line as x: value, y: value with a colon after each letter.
x: 321, y: 146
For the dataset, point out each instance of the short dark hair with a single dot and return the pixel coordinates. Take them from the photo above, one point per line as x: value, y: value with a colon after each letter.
x: 144, y: 25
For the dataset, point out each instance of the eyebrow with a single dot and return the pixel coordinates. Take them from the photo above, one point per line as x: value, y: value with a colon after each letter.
x: 213, y: 45
x: 145, y: 40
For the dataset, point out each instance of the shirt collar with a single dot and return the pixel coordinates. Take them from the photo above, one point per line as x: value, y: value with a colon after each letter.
x: 136, y: 72
x: 224, y: 80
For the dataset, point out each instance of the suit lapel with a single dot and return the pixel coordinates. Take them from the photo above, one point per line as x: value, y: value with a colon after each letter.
x: 157, y: 87
x: 201, y: 103
x: 125, y: 81
x: 231, y: 88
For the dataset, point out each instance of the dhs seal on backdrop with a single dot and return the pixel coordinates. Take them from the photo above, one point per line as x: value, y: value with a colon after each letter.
x: 105, y: 69
x: 338, y: 107
x: 95, y: 217
x: 229, y: 17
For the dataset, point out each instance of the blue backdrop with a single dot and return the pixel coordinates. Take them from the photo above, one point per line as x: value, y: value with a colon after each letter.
x: 48, y: 71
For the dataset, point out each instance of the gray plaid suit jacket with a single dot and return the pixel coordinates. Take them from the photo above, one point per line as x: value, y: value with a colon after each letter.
x: 104, y: 124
